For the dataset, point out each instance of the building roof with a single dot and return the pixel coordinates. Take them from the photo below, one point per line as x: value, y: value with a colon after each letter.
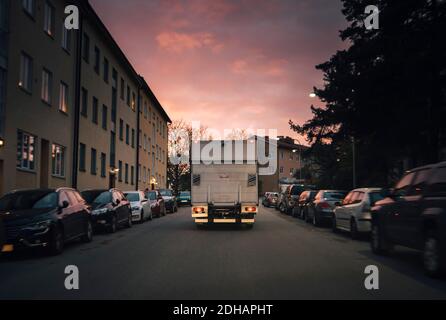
x: 97, y: 22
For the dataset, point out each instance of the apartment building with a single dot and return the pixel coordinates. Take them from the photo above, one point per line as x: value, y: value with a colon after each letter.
x: 71, y: 104
x: 289, y: 164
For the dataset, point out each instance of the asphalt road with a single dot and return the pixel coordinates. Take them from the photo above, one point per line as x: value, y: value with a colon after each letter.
x: 169, y: 258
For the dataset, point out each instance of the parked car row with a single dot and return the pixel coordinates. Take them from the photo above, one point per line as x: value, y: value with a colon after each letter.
x: 49, y: 218
x: 413, y: 214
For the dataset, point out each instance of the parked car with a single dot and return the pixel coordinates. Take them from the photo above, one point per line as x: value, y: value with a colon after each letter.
x: 320, y: 210
x: 353, y: 214
x: 270, y: 199
x: 184, y: 198
x: 290, y: 197
x: 110, y: 209
x: 282, y: 190
x: 141, y: 209
x: 300, y: 210
x: 170, y: 201
x: 45, y: 218
x: 156, y: 203
x: 414, y: 216
x: 2, y: 236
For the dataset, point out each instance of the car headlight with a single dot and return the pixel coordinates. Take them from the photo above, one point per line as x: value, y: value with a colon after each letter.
x: 99, y: 211
x: 42, y: 225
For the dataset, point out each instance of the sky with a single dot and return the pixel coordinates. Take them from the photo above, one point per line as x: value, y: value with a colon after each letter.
x: 229, y: 63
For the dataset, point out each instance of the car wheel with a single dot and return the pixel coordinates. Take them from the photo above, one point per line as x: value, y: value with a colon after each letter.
x: 113, y: 225
x: 315, y: 220
x: 141, y: 217
x: 378, y: 241
x: 334, y: 224
x: 433, y: 261
x: 88, y: 235
x: 129, y: 220
x: 57, y: 241
x: 354, y: 229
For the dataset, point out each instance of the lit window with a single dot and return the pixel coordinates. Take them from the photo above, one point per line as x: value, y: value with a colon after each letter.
x: 25, y: 150
x: 47, y: 86
x: 26, y: 69
x: 63, y: 97
x: 66, y: 38
x: 58, y: 160
x: 48, y: 25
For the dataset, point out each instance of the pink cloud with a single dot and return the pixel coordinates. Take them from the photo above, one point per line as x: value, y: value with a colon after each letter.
x: 179, y: 41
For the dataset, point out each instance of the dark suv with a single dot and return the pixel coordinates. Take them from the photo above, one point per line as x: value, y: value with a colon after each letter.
x: 301, y: 208
x: 44, y: 218
x: 414, y: 215
x: 110, y: 209
x: 290, y: 197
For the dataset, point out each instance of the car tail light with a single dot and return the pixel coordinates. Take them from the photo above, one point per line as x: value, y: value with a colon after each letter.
x: 324, y: 205
x: 198, y: 210
x: 250, y: 209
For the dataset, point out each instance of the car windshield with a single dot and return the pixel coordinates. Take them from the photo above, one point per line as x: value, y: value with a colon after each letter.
x: 297, y: 190
x: 100, y: 197
x: 184, y: 194
x: 132, y: 196
x: 376, y: 196
x: 166, y: 193
x: 29, y: 200
x: 151, y: 195
x: 335, y: 195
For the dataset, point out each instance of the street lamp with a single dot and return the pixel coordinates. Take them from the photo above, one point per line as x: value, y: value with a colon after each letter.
x: 300, y: 162
x: 312, y: 95
x: 2, y: 142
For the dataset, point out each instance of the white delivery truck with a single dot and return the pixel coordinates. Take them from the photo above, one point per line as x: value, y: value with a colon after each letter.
x: 225, y: 187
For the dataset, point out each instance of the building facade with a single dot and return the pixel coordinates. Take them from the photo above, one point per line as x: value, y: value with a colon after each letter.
x: 71, y: 104
x: 289, y: 165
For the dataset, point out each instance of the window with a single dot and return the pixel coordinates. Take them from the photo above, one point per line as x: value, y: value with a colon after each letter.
x: 133, y: 138
x: 104, y: 117
x: 127, y: 134
x: 26, y: 70
x: 47, y: 86
x: 145, y: 142
x: 281, y: 169
x: 48, y: 22
x: 95, y: 111
x: 114, y: 78
x: 145, y: 110
x: 128, y: 96
x: 106, y: 67
x: 82, y: 157
x: 122, y: 89
x: 140, y: 138
x: 132, y: 175
x: 126, y: 173
x: 120, y: 171
x: 84, y: 102
x: 139, y: 173
x: 103, y: 165
x: 133, y: 101
x: 93, y: 161
x: 86, y: 48
x: 438, y: 183
x: 25, y: 150
x: 63, y: 97
x: 403, y: 186
x: 66, y: 38
x: 97, y: 60
x: 419, y: 183
x: 58, y: 160
x: 29, y: 6
x: 121, y: 129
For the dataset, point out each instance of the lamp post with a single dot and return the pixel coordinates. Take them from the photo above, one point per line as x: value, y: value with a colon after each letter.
x: 113, y: 173
x: 2, y: 142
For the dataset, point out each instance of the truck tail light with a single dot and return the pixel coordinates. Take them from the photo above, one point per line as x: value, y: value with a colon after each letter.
x: 250, y: 209
x: 198, y: 210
